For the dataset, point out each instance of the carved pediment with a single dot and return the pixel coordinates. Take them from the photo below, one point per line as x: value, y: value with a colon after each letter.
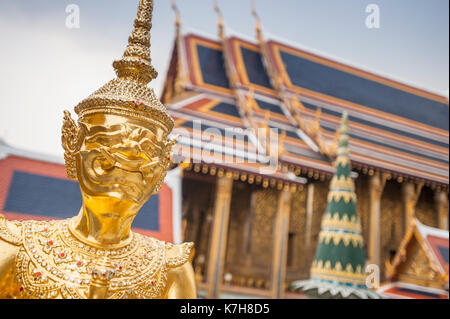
x: 416, y: 267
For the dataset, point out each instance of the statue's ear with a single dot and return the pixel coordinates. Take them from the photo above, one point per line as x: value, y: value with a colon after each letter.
x: 166, y: 162
x: 169, y: 147
x: 71, y: 142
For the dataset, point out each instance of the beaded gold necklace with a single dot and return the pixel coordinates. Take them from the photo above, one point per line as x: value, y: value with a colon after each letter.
x: 53, y: 263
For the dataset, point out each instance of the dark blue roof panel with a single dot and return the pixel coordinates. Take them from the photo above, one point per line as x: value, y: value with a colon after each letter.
x: 226, y: 108
x: 255, y: 69
x: 212, y: 66
x: 346, y: 86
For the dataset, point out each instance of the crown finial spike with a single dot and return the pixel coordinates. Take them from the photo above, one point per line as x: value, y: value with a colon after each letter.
x: 258, y: 20
x: 136, y: 60
x: 177, y: 13
x: 219, y: 18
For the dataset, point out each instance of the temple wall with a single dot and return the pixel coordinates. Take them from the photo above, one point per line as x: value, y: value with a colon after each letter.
x: 240, y: 220
x: 265, y: 207
x: 392, y: 222
x: 319, y: 207
x: 363, y: 207
x: 426, y: 210
x: 297, y: 268
x: 198, y: 205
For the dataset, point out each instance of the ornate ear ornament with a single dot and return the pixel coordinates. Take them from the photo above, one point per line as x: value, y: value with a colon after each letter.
x: 71, y: 143
x: 166, y: 163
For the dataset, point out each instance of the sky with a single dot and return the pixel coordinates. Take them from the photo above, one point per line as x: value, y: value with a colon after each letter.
x: 47, y: 67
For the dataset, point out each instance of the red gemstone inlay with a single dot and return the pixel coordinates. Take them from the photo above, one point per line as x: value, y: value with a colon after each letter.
x: 50, y: 242
x: 79, y: 263
x: 120, y: 268
x: 62, y: 254
x: 38, y: 274
x: 45, y: 229
x: 21, y: 288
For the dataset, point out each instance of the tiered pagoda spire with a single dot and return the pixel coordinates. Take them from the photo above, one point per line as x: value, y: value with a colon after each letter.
x: 338, y: 270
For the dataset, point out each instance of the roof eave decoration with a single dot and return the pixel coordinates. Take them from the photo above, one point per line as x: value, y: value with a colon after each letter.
x: 246, y: 104
x: 176, y: 78
x: 311, y: 128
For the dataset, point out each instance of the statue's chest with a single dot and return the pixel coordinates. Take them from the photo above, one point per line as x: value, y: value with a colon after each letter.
x: 51, y: 263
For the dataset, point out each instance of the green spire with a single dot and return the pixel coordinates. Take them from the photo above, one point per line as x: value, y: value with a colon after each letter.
x: 339, y: 266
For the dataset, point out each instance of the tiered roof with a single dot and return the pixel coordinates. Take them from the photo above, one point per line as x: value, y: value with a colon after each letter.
x: 233, y: 82
x: 339, y: 267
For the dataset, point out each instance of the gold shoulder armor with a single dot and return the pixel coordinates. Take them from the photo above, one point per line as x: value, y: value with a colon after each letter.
x: 10, y: 232
x: 178, y: 255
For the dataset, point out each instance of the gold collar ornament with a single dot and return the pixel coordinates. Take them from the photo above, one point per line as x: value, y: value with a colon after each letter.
x: 53, y: 263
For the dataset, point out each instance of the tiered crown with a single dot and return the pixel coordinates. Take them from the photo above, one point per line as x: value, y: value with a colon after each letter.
x: 128, y: 94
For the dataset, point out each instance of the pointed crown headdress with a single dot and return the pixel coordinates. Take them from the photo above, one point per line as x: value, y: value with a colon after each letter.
x: 128, y: 94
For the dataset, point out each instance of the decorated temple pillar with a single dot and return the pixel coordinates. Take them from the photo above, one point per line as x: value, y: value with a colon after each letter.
x: 219, y: 234
x: 441, y: 201
x: 376, y: 185
x: 410, y: 193
x: 309, y: 215
x: 280, y: 237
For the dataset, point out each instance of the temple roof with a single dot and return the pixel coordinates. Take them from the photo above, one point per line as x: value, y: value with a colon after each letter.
x: 420, y: 268
x: 433, y: 241
x: 394, y: 127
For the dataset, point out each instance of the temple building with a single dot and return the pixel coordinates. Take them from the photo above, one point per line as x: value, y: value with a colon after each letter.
x: 256, y: 224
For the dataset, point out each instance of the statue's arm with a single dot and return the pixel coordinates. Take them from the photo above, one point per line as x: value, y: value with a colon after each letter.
x: 7, y: 257
x: 10, y: 241
x: 182, y: 282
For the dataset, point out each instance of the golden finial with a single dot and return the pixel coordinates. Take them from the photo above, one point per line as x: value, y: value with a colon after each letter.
x: 337, y: 134
x: 318, y: 115
x: 258, y: 21
x: 281, y: 142
x: 177, y: 13
x: 266, y: 118
x: 297, y: 103
x: 251, y: 103
x: 314, y: 126
x: 220, y: 19
x: 136, y: 60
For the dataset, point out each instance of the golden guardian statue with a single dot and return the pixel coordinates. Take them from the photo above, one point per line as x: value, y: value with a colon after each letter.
x: 119, y: 152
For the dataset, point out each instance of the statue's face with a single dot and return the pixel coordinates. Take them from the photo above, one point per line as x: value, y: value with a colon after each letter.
x: 120, y: 158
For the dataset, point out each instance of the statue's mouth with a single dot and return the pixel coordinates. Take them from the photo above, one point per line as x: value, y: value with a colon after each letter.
x: 114, y: 174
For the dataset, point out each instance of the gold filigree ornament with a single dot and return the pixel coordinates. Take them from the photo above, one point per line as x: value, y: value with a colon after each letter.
x: 333, y: 221
x: 327, y: 236
x: 8, y: 234
x: 338, y: 195
x: 325, y: 271
x: 52, y: 263
x: 342, y: 183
